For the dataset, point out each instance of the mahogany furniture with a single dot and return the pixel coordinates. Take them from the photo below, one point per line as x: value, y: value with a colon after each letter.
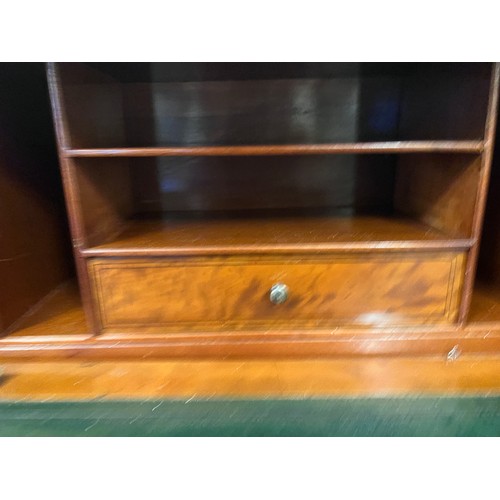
x: 260, y: 209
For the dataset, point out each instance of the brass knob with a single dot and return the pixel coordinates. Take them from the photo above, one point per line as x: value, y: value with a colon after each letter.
x: 278, y: 293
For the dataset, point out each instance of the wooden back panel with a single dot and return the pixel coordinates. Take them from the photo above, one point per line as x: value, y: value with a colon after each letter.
x: 261, y: 111
x: 159, y: 72
x: 347, y: 183
x: 35, y: 252
x: 165, y: 104
x: 445, y: 105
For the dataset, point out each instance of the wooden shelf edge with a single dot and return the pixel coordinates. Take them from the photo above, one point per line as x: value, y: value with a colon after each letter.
x: 386, y: 246
x: 210, y: 347
x: 470, y: 147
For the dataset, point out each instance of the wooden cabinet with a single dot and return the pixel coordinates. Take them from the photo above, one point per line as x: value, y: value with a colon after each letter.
x: 247, y: 207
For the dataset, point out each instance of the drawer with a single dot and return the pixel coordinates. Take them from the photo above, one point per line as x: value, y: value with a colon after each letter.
x: 224, y: 293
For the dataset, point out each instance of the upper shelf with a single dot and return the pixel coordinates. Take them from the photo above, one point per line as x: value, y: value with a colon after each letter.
x: 250, y: 110
x: 473, y: 147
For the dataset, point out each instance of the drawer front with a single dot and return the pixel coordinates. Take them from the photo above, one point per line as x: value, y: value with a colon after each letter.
x: 227, y: 293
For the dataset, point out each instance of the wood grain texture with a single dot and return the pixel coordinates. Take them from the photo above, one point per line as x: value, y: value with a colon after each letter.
x: 159, y: 72
x: 34, y: 243
x: 327, y: 104
x: 281, y: 111
x: 56, y: 330
x: 489, y: 256
x: 68, y: 173
x: 348, y: 183
x: 485, y: 304
x: 34, y: 239
x: 472, y: 147
x: 442, y: 105
x: 439, y: 191
x: 271, y: 234
x: 73, y: 380
x: 353, y: 111
x: 482, y: 190
x: 59, y: 313
x: 233, y: 293
x: 90, y: 105
x: 104, y: 196
x: 293, y: 344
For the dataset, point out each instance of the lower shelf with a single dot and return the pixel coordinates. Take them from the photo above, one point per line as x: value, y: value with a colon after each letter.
x: 284, y: 234
x: 56, y: 329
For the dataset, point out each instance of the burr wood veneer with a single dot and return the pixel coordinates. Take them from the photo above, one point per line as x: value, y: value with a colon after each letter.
x: 256, y: 209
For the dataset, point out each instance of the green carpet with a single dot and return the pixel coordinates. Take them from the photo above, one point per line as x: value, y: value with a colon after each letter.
x: 418, y: 416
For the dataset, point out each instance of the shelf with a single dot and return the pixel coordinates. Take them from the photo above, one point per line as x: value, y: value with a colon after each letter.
x: 470, y: 147
x: 297, y: 234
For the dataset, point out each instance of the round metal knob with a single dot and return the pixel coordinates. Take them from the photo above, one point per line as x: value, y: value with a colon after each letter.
x: 278, y: 293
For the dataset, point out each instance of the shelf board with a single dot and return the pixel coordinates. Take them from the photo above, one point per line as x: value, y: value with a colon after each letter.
x: 278, y: 234
x: 471, y: 147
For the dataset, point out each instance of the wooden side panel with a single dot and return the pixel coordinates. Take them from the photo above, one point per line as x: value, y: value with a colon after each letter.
x: 489, y: 257
x: 439, y: 190
x: 233, y: 293
x: 482, y: 191
x: 35, y: 251
x: 68, y: 172
x: 105, y: 197
x: 92, y: 107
